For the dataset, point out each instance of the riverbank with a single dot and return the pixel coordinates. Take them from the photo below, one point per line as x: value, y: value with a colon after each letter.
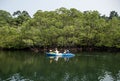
x: 72, y: 49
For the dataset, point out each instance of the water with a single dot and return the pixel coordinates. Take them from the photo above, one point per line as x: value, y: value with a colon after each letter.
x: 28, y: 66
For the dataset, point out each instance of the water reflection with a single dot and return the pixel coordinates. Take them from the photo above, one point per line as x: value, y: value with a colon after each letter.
x: 17, y: 77
x: 24, y: 66
x: 56, y: 58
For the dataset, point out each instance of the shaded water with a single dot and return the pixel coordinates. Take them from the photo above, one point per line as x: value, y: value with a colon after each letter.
x: 27, y: 66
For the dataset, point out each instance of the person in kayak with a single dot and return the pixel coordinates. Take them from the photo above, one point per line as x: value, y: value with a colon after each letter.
x: 67, y: 51
x: 56, y: 51
x: 51, y: 51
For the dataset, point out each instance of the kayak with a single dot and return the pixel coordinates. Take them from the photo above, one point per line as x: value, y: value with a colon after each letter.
x: 60, y: 54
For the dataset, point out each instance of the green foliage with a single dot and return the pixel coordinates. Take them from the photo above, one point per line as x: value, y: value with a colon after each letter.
x: 62, y: 27
x: 20, y: 17
x: 5, y: 18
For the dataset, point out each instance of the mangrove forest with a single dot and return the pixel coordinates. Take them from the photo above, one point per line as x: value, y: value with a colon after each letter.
x: 59, y: 28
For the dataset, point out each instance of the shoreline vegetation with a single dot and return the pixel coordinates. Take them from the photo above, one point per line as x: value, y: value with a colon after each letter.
x: 61, y: 49
x: 62, y: 28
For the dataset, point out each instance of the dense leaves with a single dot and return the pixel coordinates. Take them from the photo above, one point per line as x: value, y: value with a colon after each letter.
x: 59, y: 28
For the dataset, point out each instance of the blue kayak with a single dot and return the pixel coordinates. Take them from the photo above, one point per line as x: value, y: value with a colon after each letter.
x: 60, y: 54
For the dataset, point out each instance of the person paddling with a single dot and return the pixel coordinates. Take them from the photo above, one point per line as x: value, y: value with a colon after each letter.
x: 56, y: 51
x: 51, y: 51
x: 67, y: 51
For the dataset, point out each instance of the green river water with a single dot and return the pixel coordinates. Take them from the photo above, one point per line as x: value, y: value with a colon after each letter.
x: 87, y: 66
